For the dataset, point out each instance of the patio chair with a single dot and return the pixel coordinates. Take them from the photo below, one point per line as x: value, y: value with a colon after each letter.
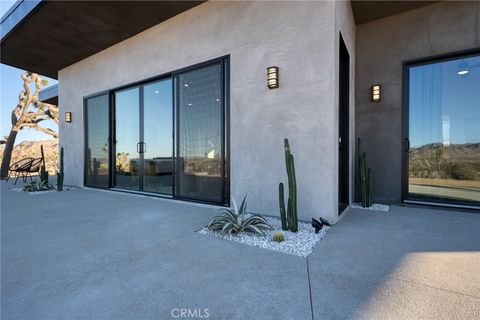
x: 20, y: 168
x: 34, y: 168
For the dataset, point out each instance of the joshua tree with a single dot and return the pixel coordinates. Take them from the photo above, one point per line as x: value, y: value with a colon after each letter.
x: 22, y: 117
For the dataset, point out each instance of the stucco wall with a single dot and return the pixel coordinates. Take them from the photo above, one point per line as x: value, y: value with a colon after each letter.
x: 298, y: 37
x: 381, y: 48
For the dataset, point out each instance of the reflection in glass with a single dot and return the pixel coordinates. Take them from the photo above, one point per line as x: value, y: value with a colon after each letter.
x: 444, y: 130
x: 158, y: 122
x: 199, y: 173
x: 96, y: 162
x: 127, y: 125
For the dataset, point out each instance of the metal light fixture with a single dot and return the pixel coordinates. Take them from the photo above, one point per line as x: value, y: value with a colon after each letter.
x: 272, y: 77
x: 463, y: 68
x: 375, y: 93
x: 68, y: 117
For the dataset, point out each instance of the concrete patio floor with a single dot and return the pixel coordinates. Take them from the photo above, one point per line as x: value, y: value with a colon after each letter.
x: 88, y: 254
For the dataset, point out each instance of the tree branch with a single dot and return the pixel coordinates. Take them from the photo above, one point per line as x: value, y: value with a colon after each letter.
x: 42, y: 129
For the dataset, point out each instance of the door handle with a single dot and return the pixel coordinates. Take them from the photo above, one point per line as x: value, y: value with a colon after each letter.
x: 141, y: 147
x: 407, y: 145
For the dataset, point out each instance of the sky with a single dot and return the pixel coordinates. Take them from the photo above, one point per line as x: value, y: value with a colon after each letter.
x: 10, y: 86
x: 445, y: 106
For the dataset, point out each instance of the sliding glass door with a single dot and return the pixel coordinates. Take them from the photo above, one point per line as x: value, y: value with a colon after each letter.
x: 157, y: 137
x: 97, y: 135
x: 143, y: 132
x: 200, y: 135
x: 444, y: 131
x: 168, y: 136
x: 127, y: 139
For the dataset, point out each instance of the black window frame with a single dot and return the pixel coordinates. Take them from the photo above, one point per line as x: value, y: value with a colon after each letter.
x: 225, y: 63
x: 405, y: 197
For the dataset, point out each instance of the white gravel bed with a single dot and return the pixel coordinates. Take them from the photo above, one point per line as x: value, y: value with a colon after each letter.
x: 374, y: 207
x: 300, y: 243
x: 39, y: 192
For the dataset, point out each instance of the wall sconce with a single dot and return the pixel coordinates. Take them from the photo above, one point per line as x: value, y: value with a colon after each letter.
x: 68, y: 117
x: 375, y: 93
x: 272, y: 77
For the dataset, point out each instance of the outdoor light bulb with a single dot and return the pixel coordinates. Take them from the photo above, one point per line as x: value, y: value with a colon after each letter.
x: 462, y: 68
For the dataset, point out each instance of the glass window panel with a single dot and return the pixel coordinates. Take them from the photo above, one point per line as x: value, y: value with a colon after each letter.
x: 444, y: 130
x: 158, y: 128
x: 96, y: 158
x: 199, y: 172
x: 127, y: 126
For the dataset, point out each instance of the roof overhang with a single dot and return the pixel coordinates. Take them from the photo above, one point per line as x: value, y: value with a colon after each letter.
x: 47, y: 36
x: 366, y: 11
x: 49, y: 95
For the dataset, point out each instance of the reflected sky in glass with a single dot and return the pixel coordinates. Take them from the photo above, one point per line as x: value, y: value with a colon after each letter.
x: 444, y: 107
x: 158, y: 119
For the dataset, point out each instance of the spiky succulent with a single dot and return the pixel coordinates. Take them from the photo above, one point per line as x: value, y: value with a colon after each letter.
x: 233, y: 222
x: 278, y: 236
x: 35, y: 186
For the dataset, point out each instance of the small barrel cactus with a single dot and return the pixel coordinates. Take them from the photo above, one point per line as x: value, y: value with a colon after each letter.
x: 278, y: 236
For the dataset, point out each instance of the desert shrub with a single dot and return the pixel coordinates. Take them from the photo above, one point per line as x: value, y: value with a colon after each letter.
x: 463, y: 171
x: 36, y: 186
x: 235, y: 221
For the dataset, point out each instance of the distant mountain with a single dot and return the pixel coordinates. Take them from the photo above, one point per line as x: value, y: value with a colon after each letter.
x: 454, y: 152
x: 31, y: 149
x: 456, y: 161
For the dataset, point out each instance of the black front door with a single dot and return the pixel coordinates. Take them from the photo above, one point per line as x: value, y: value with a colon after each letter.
x: 343, y: 128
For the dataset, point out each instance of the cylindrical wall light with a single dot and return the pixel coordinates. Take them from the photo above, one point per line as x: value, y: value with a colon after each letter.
x: 272, y: 77
x: 375, y: 93
x: 68, y: 117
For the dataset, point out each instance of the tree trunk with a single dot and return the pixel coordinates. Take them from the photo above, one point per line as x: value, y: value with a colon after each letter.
x: 7, y: 153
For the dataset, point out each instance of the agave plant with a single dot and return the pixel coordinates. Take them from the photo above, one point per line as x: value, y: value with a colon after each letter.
x: 35, y: 186
x: 232, y: 222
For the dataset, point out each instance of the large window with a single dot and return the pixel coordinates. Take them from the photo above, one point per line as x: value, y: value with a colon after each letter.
x: 169, y: 135
x: 444, y: 130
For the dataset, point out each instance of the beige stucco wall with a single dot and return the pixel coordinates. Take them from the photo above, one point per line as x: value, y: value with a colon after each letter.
x: 381, y: 48
x: 299, y: 37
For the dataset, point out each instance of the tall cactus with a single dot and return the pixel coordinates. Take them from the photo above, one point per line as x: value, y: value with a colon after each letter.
x: 283, y: 213
x: 43, y: 170
x: 365, y: 178
x: 290, y: 219
x: 60, y: 172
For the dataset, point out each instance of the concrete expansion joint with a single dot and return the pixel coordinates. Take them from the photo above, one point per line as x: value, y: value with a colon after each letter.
x: 310, y: 289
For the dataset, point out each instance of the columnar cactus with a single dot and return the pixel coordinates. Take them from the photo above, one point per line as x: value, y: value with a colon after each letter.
x: 290, y: 219
x: 283, y: 213
x: 365, y: 178
x: 60, y: 172
x: 43, y: 170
